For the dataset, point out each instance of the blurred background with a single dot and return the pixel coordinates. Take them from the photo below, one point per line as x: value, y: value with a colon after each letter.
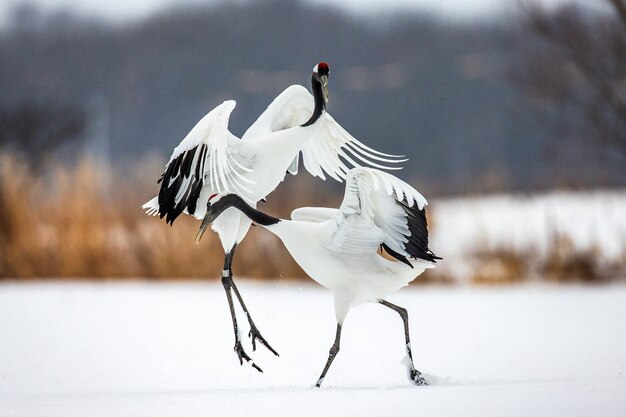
x: 513, y: 115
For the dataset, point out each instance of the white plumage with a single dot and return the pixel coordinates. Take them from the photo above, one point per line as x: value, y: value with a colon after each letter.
x: 211, y: 160
x: 339, y: 248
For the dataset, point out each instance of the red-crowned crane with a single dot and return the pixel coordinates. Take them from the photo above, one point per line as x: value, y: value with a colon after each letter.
x: 211, y: 160
x: 339, y: 248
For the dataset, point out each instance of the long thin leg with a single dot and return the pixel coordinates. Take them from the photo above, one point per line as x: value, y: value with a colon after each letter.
x: 334, y: 349
x: 254, y: 333
x: 414, y: 374
x: 227, y: 282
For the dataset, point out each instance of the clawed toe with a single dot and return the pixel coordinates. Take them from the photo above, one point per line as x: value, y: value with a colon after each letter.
x: 417, y: 377
x: 255, y: 335
x: 242, y: 355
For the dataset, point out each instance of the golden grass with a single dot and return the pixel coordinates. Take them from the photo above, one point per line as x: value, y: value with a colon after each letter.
x: 563, y: 263
x: 86, y: 222
x: 566, y: 263
x: 501, y: 266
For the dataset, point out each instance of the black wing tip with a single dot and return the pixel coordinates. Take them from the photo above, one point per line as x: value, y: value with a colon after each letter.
x: 430, y: 257
x: 417, y: 246
x: 172, y: 181
x: 435, y: 257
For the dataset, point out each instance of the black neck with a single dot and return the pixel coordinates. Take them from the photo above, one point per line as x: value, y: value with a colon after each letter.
x: 320, y: 103
x: 233, y: 200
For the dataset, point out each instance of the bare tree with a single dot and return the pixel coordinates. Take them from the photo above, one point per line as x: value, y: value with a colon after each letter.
x: 573, y: 66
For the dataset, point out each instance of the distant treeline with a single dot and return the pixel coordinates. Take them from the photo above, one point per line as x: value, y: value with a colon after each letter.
x: 405, y: 83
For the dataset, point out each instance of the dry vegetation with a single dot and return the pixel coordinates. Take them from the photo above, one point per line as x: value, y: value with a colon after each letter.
x: 501, y: 266
x: 563, y: 263
x: 86, y: 222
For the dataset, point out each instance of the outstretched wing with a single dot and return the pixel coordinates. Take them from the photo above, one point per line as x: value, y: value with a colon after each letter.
x: 379, y: 209
x: 333, y: 151
x: 291, y: 108
x: 203, y: 157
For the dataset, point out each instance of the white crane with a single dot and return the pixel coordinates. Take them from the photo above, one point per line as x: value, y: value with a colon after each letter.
x: 211, y: 160
x: 339, y: 248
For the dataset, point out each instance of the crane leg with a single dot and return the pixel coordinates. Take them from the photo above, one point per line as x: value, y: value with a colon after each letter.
x: 227, y: 282
x: 414, y: 374
x: 254, y: 334
x: 334, y: 349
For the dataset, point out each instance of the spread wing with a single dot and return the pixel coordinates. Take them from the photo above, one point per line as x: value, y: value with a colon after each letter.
x: 333, y: 152
x: 379, y: 209
x: 205, y: 156
x: 291, y: 108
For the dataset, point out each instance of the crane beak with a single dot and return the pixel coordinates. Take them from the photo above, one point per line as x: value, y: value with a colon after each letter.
x: 324, y: 80
x: 208, y: 218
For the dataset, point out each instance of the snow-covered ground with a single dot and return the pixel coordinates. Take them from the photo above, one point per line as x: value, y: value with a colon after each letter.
x: 592, y: 221
x: 138, y: 349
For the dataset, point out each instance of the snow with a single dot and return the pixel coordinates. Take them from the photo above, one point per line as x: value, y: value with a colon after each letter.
x: 165, y: 349
x: 590, y: 220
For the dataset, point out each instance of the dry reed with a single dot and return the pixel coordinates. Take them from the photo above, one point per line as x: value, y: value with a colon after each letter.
x: 85, y: 221
x: 563, y: 263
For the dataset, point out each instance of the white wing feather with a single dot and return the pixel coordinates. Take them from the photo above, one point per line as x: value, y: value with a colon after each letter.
x: 333, y: 151
x: 208, y: 156
x: 217, y: 165
x: 290, y: 108
x: 332, y: 145
x: 369, y: 215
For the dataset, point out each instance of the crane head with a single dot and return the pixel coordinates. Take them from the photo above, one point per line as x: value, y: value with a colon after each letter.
x: 215, y: 205
x: 321, y: 72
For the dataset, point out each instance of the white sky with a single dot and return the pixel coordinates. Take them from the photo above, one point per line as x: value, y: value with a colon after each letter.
x: 119, y: 10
